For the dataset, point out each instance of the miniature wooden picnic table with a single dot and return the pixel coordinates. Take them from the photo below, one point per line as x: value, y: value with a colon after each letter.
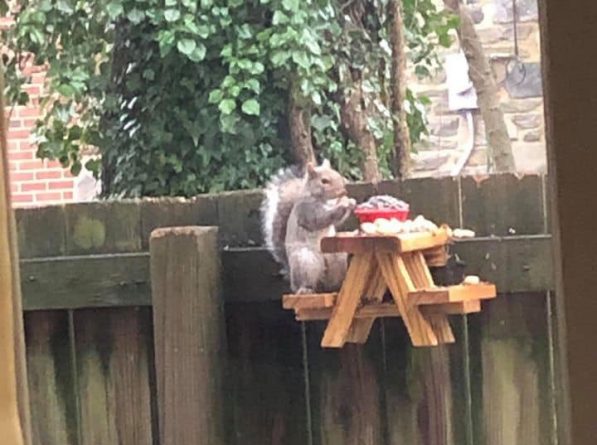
x: 400, y: 264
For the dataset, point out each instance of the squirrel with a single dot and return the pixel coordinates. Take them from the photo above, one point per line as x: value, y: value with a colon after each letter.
x: 298, y: 210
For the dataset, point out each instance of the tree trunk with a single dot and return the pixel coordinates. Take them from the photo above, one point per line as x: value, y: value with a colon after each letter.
x: 299, y: 123
x: 481, y: 75
x: 354, y: 121
x: 402, y: 145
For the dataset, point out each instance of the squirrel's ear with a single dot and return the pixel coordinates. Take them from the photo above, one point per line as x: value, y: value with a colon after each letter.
x: 311, y: 169
x: 326, y: 164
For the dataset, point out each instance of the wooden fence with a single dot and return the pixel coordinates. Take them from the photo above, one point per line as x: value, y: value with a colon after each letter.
x: 85, y: 280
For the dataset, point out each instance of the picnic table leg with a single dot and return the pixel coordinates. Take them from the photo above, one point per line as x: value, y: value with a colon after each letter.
x: 348, y: 300
x: 398, y: 279
x: 422, y: 279
x: 374, y: 292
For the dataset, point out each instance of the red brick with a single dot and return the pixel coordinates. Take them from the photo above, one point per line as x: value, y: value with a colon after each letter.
x: 21, y: 155
x: 21, y: 177
x: 49, y: 196
x: 27, y: 112
x: 53, y: 185
x: 33, y: 90
x: 67, y: 196
x: 54, y: 164
x: 51, y: 174
x: 22, y: 197
x: 31, y: 165
x: 15, y: 123
x: 29, y: 123
x: 18, y: 134
x: 34, y: 186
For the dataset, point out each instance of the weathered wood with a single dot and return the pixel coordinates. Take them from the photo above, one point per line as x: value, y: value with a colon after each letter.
x: 517, y: 264
x: 238, y: 218
x: 346, y: 390
x: 511, y: 384
x: 89, y: 281
x: 266, y: 385
x: 503, y: 205
x: 188, y: 334
x: 51, y: 379
x: 103, y: 227
x: 423, y: 404
x: 41, y: 231
x: 169, y: 212
x: 113, y: 354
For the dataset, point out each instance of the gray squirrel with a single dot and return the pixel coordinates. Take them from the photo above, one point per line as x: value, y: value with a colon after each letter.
x: 299, y: 209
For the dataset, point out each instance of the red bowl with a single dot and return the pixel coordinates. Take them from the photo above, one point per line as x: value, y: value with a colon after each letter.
x: 370, y: 215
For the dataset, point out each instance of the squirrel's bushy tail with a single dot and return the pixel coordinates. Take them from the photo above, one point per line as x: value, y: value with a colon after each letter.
x: 282, y: 191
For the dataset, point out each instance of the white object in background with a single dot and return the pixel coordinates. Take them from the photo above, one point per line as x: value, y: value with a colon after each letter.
x: 86, y: 187
x: 461, y: 92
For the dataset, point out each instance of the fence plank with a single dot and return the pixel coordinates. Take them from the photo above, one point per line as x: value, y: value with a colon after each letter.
x: 266, y: 392
x: 103, y: 227
x: 425, y: 389
x: 188, y: 334
x: 511, y: 381
x: 113, y: 349
x: 346, y: 390
x: 51, y: 380
x: 503, y: 205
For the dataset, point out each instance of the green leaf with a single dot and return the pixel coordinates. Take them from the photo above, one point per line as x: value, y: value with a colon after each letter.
x: 198, y: 53
x: 215, y: 96
x: 171, y: 2
x: 66, y: 90
x: 301, y: 59
x: 186, y: 46
x: 251, y: 107
x: 114, y: 9
x: 136, y: 16
x: 227, y: 106
x: 291, y: 5
x: 279, y: 18
x: 172, y: 15
x: 253, y: 85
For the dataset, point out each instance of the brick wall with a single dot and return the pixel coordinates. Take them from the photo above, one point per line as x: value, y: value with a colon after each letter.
x: 32, y: 181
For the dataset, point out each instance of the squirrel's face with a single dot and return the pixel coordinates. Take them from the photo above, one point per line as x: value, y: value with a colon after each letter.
x: 326, y: 183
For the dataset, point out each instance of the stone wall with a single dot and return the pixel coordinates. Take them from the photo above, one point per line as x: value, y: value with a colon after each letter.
x: 520, y: 93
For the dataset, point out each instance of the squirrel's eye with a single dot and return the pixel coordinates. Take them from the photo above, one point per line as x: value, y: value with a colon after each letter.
x: 325, y: 181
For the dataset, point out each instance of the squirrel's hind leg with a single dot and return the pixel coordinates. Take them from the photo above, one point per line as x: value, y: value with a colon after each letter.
x: 306, y: 270
x: 336, y: 265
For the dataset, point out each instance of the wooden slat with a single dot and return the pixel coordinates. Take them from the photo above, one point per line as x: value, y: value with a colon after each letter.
x: 436, y: 257
x: 51, y: 379
x: 348, y: 242
x: 308, y: 301
x: 452, y: 294
x: 348, y: 299
x: 266, y: 380
x: 113, y: 351
x: 374, y: 292
x: 385, y: 310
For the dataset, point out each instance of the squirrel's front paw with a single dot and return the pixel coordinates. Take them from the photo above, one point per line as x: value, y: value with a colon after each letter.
x: 351, y: 203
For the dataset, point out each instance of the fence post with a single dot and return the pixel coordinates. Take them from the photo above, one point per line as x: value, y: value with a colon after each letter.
x: 188, y: 334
